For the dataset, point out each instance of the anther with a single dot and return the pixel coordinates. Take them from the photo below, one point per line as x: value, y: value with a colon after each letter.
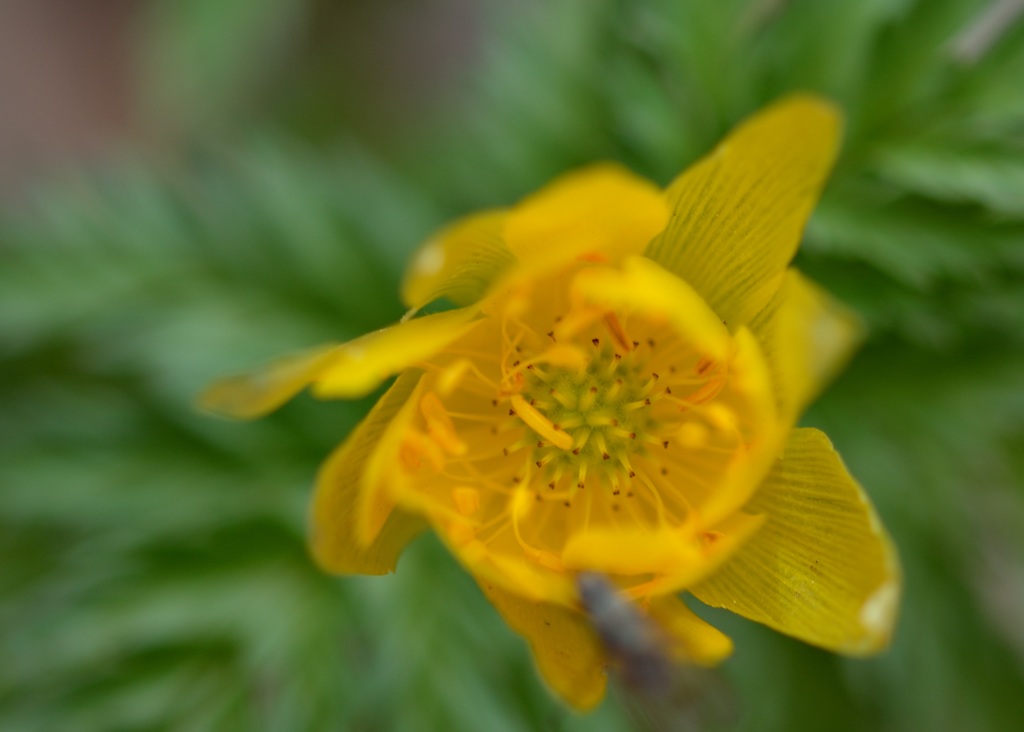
x: 618, y: 333
x: 596, y: 341
x: 540, y: 424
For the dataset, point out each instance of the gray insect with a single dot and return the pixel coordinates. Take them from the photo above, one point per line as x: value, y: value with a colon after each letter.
x: 659, y: 693
x: 634, y: 642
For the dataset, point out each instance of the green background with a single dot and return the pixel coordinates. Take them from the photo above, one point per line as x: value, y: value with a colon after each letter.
x: 153, y: 571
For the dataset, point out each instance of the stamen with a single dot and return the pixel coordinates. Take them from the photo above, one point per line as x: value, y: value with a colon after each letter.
x: 521, y: 505
x: 614, y: 326
x: 613, y: 364
x: 564, y: 399
x: 587, y: 399
x: 704, y: 366
x: 540, y: 424
x: 467, y: 500
x: 707, y: 392
x: 416, y: 446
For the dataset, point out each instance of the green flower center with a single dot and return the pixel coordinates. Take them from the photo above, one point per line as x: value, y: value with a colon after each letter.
x: 602, y: 407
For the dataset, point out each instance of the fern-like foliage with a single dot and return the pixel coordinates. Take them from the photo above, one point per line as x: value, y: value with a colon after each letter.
x: 154, y: 572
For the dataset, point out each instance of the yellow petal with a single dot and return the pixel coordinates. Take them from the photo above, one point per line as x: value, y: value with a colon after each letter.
x: 822, y: 568
x: 693, y: 640
x: 603, y: 209
x: 459, y: 263
x: 751, y: 378
x: 738, y: 214
x: 645, y: 288
x: 568, y: 652
x: 806, y: 336
x: 719, y: 543
x: 334, y: 537
x: 247, y: 396
x: 381, y: 468
x: 359, y: 366
x: 626, y: 551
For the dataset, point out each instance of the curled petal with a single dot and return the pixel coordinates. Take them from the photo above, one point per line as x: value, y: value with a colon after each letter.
x: 822, y: 568
x: 644, y: 287
x: 752, y: 379
x: 719, y: 544
x: 635, y: 551
x: 339, y: 539
x: 692, y: 640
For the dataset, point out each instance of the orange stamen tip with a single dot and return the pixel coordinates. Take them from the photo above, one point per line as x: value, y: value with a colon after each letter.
x: 704, y: 365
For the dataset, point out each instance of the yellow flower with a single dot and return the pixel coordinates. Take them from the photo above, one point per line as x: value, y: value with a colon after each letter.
x: 617, y: 393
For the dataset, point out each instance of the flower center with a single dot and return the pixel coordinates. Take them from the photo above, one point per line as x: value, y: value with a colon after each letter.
x: 602, y: 407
